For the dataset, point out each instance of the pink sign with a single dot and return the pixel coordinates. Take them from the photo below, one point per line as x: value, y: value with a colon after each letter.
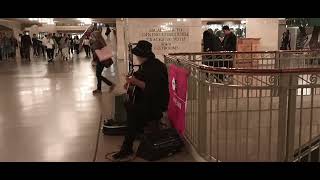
x: 178, y: 86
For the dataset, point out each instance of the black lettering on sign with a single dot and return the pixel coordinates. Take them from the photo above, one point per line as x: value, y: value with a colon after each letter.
x: 166, y: 39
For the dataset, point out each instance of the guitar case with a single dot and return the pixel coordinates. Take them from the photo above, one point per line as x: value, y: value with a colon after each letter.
x: 155, y: 146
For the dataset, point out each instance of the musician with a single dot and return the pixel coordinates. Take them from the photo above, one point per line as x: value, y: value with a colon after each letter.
x: 151, y: 95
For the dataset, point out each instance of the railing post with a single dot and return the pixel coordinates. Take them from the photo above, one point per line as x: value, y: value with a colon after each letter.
x: 292, y: 101
x: 287, y: 113
x: 202, y: 114
x: 283, y: 109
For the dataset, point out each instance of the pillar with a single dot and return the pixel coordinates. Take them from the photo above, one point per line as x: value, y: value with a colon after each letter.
x: 265, y: 28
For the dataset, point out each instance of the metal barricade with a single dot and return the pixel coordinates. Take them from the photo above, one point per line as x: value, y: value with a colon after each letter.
x: 265, y: 112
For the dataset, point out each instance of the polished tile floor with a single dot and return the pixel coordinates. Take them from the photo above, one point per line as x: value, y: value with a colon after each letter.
x: 48, y: 112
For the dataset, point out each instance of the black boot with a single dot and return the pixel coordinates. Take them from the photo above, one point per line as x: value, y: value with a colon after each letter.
x: 123, y: 153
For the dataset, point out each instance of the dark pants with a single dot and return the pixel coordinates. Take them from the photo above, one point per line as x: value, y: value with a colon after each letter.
x: 43, y: 49
x: 14, y: 52
x: 71, y: 50
x: 5, y: 52
x: 0, y: 54
x: 87, y: 49
x: 76, y: 47
x: 99, y: 69
x: 50, y: 53
x: 59, y: 51
x: 21, y: 52
x: 26, y: 52
x: 35, y: 50
x: 137, y: 120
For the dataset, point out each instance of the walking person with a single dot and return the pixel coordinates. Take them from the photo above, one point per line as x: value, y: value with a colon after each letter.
x: 20, y: 47
x: 58, y: 39
x: 70, y: 45
x: 6, y: 47
x: 14, y: 46
x: 77, y: 44
x: 26, y: 44
x: 50, y: 48
x: 44, y: 41
x: 35, y: 44
x: 98, y: 42
x: 64, y: 48
x: 86, y: 46
x: 108, y: 31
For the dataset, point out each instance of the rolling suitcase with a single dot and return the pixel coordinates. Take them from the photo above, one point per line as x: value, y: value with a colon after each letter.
x: 156, y: 146
x: 118, y: 125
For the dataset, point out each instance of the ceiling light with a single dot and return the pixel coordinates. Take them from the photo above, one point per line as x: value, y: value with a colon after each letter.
x: 85, y: 20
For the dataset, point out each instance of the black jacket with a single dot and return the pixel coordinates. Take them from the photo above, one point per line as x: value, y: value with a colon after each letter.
x: 230, y: 42
x: 26, y: 41
x: 211, y: 42
x: 155, y: 97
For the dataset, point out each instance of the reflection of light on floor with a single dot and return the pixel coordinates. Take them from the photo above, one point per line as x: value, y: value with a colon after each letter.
x: 68, y: 124
x: 54, y: 152
x: 25, y: 92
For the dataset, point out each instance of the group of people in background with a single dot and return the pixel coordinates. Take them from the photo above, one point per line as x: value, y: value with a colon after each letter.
x: 50, y: 46
x: 8, y: 46
x: 56, y: 44
x: 212, y: 43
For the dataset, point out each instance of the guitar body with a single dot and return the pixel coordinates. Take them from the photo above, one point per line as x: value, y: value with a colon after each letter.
x: 133, y: 91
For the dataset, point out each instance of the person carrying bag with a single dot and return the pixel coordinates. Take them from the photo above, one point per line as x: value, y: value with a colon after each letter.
x: 102, y: 55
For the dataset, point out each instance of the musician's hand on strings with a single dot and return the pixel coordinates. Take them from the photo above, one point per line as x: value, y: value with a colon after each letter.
x: 131, y: 80
x: 125, y: 86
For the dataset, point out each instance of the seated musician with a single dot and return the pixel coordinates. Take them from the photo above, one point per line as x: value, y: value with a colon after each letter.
x: 151, y: 95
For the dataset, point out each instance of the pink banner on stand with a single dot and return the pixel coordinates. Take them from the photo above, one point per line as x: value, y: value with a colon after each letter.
x: 178, y: 87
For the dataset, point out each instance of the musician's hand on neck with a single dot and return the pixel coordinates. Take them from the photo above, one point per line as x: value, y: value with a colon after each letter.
x: 135, y: 81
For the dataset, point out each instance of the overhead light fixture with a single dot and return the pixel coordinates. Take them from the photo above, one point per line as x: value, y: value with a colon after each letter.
x: 243, y: 22
x: 85, y: 20
x: 43, y: 20
x: 178, y: 20
x: 184, y: 20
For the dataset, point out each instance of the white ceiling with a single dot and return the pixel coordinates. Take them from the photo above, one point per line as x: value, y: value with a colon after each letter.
x: 66, y: 21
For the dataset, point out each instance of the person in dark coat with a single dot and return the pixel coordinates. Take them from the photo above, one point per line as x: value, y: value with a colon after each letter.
x: 35, y: 45
x: 212, y: 43
x: 151, y: 95
x: 229, y: 44
x: 26, y: 44
x: 230, y: 40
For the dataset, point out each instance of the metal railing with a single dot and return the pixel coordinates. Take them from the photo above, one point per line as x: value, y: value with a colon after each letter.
x: 266, y: 110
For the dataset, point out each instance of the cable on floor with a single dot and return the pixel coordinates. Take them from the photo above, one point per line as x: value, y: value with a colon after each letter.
x: 98, y: 138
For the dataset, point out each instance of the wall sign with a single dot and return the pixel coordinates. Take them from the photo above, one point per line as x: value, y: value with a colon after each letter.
x: 166, y: 38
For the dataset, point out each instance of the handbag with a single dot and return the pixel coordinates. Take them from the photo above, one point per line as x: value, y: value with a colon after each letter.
x: 105, y: 56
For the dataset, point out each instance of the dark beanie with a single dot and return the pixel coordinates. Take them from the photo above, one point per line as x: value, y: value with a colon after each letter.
x: 143, y: 49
